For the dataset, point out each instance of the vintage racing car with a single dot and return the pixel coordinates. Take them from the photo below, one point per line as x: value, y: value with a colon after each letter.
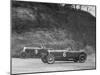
x: 50, y: 56
x: 29, y: 52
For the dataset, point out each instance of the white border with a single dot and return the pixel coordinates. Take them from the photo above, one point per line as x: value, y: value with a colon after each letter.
x: 5, y: 37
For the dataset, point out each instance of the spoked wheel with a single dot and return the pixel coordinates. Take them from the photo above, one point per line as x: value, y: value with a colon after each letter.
x: 44, y: 59
x: 82, y: 58
x: 23, y: 55
x: 50, y: 59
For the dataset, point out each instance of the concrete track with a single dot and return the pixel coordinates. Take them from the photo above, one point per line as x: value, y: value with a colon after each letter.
x: 32, y: 65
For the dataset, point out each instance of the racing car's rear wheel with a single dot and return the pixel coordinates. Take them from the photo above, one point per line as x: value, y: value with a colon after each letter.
x: 44, y: 59
x: 50, y: 59
x: 82, y: 58
x: 23, y: 55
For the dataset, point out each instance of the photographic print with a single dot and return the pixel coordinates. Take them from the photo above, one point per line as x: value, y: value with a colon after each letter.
x: 52, y: 37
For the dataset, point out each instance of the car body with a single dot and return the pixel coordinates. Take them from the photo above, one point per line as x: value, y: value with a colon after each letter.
x: 50, y: 56
x: 30, y: 52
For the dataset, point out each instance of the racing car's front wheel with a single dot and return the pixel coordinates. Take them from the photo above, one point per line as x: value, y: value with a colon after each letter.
x: 82, y: 58
x: 50, y: 59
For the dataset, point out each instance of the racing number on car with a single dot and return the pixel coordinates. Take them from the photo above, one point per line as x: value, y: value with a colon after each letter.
x: 64, y: 54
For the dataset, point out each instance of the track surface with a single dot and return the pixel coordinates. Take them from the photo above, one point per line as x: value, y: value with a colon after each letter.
x: 30, y: 65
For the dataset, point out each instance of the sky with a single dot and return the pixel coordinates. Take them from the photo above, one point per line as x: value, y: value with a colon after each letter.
x: 89, y: 8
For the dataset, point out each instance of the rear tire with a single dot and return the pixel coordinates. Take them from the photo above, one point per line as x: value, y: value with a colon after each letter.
x: 23, y: 55
x: 50, y: 59
x: 44, y: 59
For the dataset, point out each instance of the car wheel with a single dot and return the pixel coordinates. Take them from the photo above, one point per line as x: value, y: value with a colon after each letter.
x: 82, y: 58
x: 23, y: 55
x: 44, y: 59
x: 50, y: 59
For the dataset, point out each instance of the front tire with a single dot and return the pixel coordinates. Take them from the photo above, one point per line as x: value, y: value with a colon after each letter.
x: 82, y: 58
x: 50, y: 59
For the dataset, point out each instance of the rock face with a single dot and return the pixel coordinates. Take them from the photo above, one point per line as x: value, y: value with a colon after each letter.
x: 61, y: 27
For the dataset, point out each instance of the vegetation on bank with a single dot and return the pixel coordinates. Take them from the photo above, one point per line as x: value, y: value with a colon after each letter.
x: 54, y: 26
